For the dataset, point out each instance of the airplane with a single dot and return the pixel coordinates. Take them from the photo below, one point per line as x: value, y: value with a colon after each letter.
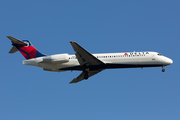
x: 89, y: 64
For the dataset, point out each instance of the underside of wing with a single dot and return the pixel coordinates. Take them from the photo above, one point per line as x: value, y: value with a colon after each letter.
x: 84, y: 74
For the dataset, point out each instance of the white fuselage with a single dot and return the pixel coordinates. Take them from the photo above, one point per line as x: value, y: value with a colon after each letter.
x: 63, y: 62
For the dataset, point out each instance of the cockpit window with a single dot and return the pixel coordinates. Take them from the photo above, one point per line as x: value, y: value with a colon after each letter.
x: 159, y: 54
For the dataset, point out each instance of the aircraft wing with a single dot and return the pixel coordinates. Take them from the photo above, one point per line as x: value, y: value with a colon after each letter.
x: 81, y: 76
x: 84, y: 57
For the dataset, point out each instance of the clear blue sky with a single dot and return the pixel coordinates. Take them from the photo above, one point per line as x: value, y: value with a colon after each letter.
x: 29, y: 93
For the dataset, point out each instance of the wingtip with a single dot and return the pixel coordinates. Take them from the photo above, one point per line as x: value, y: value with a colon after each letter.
x: 71, y: 82
x: 8, y: 37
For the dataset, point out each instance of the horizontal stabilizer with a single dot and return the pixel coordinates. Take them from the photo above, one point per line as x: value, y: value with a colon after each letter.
x: 13, y: 50
x: 16, y: 41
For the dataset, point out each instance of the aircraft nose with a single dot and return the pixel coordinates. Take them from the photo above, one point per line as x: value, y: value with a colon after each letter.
x: 169, y: 61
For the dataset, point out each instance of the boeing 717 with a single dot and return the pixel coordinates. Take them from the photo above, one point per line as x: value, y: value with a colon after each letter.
x: 89, y: 64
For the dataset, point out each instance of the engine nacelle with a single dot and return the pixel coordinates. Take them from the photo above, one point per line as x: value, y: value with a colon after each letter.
x: 59, y: 58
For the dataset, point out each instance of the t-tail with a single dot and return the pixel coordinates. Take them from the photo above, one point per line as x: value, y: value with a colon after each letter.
x: 25, y: 48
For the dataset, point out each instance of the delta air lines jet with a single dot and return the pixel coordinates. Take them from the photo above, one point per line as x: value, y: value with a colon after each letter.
x: 89, y: 64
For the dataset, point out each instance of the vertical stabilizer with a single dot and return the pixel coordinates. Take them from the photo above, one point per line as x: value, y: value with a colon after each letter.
x: 25, y: 48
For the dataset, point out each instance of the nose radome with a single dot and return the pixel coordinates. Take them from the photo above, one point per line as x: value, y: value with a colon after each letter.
x: 169, y: 61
